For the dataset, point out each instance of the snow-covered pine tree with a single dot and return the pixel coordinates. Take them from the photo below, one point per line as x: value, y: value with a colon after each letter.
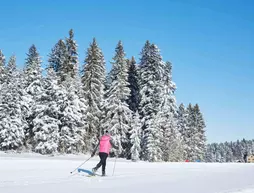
x: 151, y: 92
x: 47, y: 121
x: 112, y: 76
x: 13, y: 108
x: 215, y: 152
x: 11, y: 67
x: 189, y: 135
x: 2, y: 59
x: 118, y: 114
x: 170, y: 87
x: 73, y: 119
x: 218, y: 155
x: 33, y: 63
x: 200, y: 137
x: 183, y: 127
x: 57, y: 59
x: 209, y: 153
x: 107, y: 84
x: 228, y: 152
x: 72, y: 64
x: 64, y: 59
x: 196, y: 141
x: 172, y: 142
x: 135, y: 137
x: 237, y: 151
x: 93, y: 81
x: 171, y: 145
x: 252, y: 147
x: 69, y: 74
x: 133, y: 100
x: 154, y: 139
x: 33, y: 71
x: 33, y: 86
x: 2, y: 68
x: 244, y: 146
x: 222, y: 152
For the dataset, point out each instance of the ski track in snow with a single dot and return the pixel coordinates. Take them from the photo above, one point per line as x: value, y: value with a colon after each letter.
x: 29, y: 173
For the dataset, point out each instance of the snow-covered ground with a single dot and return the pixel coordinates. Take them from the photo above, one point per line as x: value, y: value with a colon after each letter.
x: 30, y: 173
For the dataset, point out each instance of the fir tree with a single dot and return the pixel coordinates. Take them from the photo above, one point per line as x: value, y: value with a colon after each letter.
x: 13, y: 109
x: 33, y: 63
x: 172, y: 141
x: 58, y: 59
x: 154, y: 136
x: 228, y: 152
x: 33, y: 86
x: 12, y: 66
x: 46, y: 123
x: 151, y: 92
x: 209, y: 154
x: 118, y: 114
x: 171, y: 144
x: 2, y: 59
x: 200, y: 137
x: 93, y: 81
x: 2, y: 68
x: 189, y: 133
x: 72, y: 64
x: 170, y: 87
x: 183, y: 128
x: 135, y: 137
x: 73, y: 121
x: 195, y: 143
x: 133, y: 100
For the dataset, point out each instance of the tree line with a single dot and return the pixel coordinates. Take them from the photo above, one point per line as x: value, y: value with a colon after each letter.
x: 68, y: 109
x: 233, y: 151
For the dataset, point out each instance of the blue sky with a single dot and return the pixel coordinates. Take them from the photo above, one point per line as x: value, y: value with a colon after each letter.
x: 210, y: 44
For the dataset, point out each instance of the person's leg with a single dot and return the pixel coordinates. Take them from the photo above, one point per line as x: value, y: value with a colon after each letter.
x: 104, y: 159
x: 99, y: 164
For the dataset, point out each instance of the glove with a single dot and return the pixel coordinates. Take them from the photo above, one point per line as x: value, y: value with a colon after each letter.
x: 92, y: 154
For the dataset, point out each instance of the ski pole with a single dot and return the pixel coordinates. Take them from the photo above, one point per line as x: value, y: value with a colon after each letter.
x: 114, y: 166
x: 81, y: 164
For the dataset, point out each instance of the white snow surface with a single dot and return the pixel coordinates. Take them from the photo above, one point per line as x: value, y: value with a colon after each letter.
x: 33, y: 173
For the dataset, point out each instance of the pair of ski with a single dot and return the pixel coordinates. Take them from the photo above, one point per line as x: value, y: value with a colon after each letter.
x: 90, y: 173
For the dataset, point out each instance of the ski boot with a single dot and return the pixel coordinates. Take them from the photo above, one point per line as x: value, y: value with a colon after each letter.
x: 94, y: 170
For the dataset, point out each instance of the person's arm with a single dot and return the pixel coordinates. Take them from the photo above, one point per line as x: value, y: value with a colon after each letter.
x: 95, y: 149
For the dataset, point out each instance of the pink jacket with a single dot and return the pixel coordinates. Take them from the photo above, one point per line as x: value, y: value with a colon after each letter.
x: 105, y: 144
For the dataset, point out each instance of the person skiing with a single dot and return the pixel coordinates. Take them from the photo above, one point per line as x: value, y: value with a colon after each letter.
x: 105, y: 144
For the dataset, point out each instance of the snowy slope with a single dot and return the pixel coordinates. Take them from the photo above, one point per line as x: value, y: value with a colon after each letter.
x: 29, y: 173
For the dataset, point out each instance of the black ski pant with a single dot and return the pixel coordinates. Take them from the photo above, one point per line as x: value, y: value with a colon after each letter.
x: 103, y: 157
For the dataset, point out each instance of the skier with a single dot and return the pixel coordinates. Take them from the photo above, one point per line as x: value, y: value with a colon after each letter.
x: 105, y: 146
